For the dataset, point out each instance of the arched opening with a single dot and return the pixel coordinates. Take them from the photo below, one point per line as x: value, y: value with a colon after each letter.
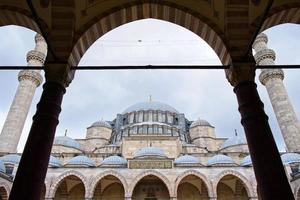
x: 231, y: 188
x: 3, y: 193
x: 192, y: 187
x: 150, y: 188
x: 71, y: 188
x: 17, y: 16
x: 174, y: 13
x: 109, y: 188
x: 283, y: 15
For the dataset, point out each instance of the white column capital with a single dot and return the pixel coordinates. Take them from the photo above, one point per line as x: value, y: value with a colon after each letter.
x: 32, y: 75
x: 36, y: 55
x: 267, y: 74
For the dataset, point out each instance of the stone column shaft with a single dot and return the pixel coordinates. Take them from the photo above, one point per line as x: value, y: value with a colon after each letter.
x: 269, y: 171
x: 267, y: 164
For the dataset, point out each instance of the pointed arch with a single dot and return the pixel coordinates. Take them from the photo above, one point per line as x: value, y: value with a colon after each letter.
x: 64, y: 175
x: 138, y: 10
x: 155, y: 173
x: 283, y: 15
x: 198, y: 174
x: 101, y: 175
x: 248, y: 186
x: 10, y: 15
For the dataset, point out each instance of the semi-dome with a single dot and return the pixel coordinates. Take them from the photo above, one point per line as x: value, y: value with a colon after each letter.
x: 101, y: 123
x: 11, y: 158
x: 150, y: 105
x: 150, y: 152
x: 114, y: 161
x: 233, y: 141
x: 220, y: 160
x: 246, y: 162
x: 289, y: 158
x: 81, y: 161
x: 54, y: 162
x: 186, y: 159
x: 200, y: 122
x: 67, y: 142
x: 2, y: 167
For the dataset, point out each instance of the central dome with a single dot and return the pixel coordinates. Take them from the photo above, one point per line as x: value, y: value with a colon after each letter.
x: 150, y: 105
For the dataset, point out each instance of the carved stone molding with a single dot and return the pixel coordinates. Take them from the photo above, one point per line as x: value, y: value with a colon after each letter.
x: 34, y: 76
x: 35, y: 55
x: 260, y: 38
x: 264, y: 54
x: 268, y: 74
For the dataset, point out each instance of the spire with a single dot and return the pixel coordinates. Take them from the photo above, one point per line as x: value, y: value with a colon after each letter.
x: 66, y: 132
x: 235, y: 132
x: 150, y: 98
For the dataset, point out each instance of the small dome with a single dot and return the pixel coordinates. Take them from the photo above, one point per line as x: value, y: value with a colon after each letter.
x: 220, y: 160
x: 67, y: 142
x: 200, y: 122
x: 2, y: 167
x: 246, y: 162
x: 101, y: 123
x: 114, y: 161
x: 11, y: 159
x: 81, y: 161
x: 54, y: 162
x: 186, y: 159
x: 233, y: 141
x: 150, y: 105
x: 289, y: 158
x: 150, y: 152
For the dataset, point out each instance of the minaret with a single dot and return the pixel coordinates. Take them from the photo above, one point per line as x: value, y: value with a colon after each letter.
x: 273, y: 81
x: 29, y: 80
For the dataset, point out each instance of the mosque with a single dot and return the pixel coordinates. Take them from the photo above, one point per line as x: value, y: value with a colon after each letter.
x: 150, y: 151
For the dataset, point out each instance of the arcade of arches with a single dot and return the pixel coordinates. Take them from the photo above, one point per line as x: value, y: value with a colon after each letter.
x: 149, y: 187
x: 230, y: 27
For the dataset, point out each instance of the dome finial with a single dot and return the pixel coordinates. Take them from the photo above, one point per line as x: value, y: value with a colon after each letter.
x: 235, y: 131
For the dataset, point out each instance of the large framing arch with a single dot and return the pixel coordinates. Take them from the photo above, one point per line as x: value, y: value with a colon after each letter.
x: 64, y: 175
x: 201, y: 176
x: 170, y: 12
x: 159, y: 175
x: 249, y: 188
x: 101, y: 175
x: 10, y: 15
x: 282, y: 16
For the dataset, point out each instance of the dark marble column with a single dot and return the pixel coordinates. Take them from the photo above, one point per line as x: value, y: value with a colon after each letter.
x: 269, y: 171
x: 33, y: 166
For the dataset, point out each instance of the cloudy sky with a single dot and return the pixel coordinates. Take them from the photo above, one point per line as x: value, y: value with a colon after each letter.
x: 202, y: 94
